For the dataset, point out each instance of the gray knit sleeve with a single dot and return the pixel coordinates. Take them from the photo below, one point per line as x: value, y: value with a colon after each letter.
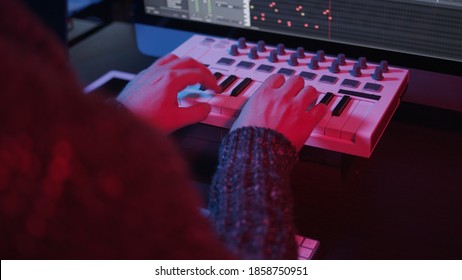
x: 250, y: 199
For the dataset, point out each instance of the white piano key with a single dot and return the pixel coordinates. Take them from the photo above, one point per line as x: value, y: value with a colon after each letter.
x: 304, y: 253
x: 219, y: 99
x: 320, y: 128
x: 217, y: 102
x: 335, y: 124
x: 309, y: 243
x: 299, y: 239
x: 234, y: 104
x: 348, y: 131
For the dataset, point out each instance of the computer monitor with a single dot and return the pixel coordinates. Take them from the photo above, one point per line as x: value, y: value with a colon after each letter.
x: 422, y: 35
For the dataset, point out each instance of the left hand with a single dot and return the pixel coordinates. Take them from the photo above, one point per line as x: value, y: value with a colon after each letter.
x: 153, y: 94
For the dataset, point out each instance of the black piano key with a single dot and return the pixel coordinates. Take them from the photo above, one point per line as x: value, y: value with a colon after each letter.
x: 241, y: 86
x: 217, y: 76
x: 227, y: 82
x: 341, y: 106
x: 327, y: 98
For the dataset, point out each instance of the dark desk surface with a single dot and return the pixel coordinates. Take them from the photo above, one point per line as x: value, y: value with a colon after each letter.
x: 112, y: 48
x: 405, y: 202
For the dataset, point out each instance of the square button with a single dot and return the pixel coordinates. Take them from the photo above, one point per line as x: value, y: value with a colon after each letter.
x: 328, y: 79
x: 350, y: 83
x: 373, y: 87
x: 245, y: 64
x: 265, y: 68
x: 307, y: 75
x: 226, y: 61
x: 286, y: 71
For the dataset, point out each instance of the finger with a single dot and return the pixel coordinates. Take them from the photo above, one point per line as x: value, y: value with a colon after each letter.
x: 193, y: 114
x: 316, y: 114
x: 166, y: 59
x: 180, y: 79
x: 190, y: 63
x: 293, y: 86
x: 273, y: 81
x: 307, y: 97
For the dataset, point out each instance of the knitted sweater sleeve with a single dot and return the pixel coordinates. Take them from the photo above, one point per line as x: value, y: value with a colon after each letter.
x: 250, y: 199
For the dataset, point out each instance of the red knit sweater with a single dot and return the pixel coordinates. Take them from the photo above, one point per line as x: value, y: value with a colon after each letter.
x: 80, y: 179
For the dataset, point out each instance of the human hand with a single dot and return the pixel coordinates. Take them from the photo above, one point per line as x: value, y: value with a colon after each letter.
x: 152, y: 95
x: 282, y: 105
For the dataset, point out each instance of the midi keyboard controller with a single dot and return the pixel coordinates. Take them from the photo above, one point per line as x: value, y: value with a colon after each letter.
x: 361, y: 96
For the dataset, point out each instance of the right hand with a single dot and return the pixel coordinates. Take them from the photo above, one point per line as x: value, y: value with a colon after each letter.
x: 282, y: 106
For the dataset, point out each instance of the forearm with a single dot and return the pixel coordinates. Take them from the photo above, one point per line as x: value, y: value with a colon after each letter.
x: 251, y: 202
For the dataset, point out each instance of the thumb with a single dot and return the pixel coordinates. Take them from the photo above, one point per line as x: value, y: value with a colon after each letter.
x: 193, y: 114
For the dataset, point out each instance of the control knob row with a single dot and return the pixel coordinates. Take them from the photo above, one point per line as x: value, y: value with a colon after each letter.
x: 314, y: 62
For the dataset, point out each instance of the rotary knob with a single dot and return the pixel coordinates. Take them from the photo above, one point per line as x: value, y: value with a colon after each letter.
x: 321, y: 55
x: 273, y: 56
x: 293, y: 59
x: 253, y: 54
x: 261, y: 46
x: 241, y: 43
x: 281, y: 49
x: 378, y: 74
x: 362, y: 62
x: 384, y: 65
x: 341, y: 59
x: 300, y: 52
x: 234, y: 50
x: 334, y: 67
x: 314, y: 63
x: 356, y: 71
